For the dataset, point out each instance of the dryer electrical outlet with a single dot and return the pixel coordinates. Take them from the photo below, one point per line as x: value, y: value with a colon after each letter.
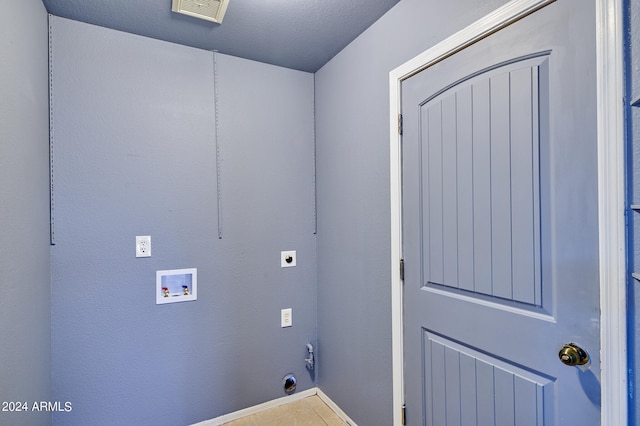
x: 288, y: 258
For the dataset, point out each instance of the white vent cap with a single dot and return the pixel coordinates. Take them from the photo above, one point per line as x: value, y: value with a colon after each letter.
x: 210, y: 10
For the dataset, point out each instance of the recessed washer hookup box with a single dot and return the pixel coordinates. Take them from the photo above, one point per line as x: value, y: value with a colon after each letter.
x: 176, y: 285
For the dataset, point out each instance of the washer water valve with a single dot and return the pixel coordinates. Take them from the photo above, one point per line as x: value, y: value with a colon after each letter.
x: 310, y: 362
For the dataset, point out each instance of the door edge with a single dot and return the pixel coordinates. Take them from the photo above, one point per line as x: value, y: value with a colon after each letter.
x: 611, y: 211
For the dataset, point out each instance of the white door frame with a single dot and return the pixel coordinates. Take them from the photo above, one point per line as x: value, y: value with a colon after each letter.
x: 611, y: 198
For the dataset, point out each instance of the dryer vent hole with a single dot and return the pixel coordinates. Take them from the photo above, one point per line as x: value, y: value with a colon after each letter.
x: 289, y: 383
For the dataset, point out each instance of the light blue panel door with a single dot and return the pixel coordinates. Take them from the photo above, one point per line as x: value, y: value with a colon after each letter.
x: 500, y: 228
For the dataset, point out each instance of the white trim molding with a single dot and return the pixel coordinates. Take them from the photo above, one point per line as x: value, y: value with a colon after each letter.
x: 218, y: 421
x: 611, y: 210
x: 611, y: 192
x: 236, y: 415
x: 339, y: 412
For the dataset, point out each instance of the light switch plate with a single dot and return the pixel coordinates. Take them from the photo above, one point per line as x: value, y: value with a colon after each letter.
x: 286, y: 317
x: 288, y: 258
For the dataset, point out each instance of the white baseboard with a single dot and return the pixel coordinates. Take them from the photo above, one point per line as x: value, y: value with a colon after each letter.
x: 323, y: 396
x: 276, y: 403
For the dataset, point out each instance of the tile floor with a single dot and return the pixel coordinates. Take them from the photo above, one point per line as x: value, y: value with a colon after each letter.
x: 310, y: 411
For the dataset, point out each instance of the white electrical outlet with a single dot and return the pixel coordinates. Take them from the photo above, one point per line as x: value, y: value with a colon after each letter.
x: 286, y: 317
x: 143, y: 246
x: 288, y: 258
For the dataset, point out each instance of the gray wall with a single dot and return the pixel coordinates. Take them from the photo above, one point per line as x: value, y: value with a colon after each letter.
x: 354, y: 271
x: 135, y: 154
x: 633, y: 153
x: 25, y: 326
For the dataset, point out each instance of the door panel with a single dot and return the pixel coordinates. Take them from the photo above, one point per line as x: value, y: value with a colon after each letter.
x: 500, y: 236
x: 469, y: 387
x: 481, y: 193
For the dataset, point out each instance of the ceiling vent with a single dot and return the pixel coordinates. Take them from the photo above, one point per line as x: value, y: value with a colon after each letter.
x: 210, y: 10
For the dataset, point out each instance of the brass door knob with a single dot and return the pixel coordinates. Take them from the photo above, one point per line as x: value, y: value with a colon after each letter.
x: 572, y: 355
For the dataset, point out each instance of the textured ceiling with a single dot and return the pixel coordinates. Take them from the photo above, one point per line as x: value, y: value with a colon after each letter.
x: 298, y: 34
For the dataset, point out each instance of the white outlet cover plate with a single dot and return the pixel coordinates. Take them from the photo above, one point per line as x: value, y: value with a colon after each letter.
x: 143, y: 246
x: 284, y: 255
x: 286, y: 317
